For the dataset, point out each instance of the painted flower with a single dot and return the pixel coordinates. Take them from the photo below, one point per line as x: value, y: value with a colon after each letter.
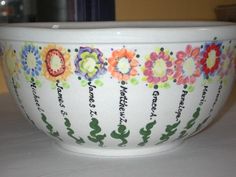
x: 187, y: 65
x: 226, y: 62
x: 89, y: 63
x: 56, y: 65
x: 30, y: 60
x: 210, y: 60
x: 123, y: 64
x: 11, y: 61
x: 158, y: 67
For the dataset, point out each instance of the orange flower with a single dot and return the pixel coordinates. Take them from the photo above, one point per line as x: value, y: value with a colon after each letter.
x: 122, y: 64
x: 56, y: 65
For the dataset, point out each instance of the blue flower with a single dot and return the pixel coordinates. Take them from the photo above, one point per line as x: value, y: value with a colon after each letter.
x: 31, y: 61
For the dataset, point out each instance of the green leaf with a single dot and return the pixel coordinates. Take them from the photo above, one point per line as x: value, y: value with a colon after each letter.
x: 164, y: 137
x: 115, y: 135
x: 142, y: 131
x: 197, y: 112
x: 49, y: 127
x: 94, y: 123
x: 121, y: 128
x: 28, y: 78
x: 98, y: 83
x: 79, y: 141
x: 126, y: 134
x: 38, y: 83
x: 190, y: 124
x: 101, y: 137
x: 53, y: 85
x: 67, y: 122
x: 166, y: 85
x: 150, y: 125
x: 93, y: 139
x: 84, y: 83
x: 183, y: 134
x: 134, y: 81
x: 190, y: 88
x: 70, y: 131
x: 65, y: 85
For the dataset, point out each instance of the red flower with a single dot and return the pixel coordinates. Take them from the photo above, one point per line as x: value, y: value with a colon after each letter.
x: 211, y: 58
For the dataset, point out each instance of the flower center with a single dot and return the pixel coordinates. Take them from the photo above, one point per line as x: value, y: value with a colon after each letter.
x: 31, y: 61
x: 89, y: 64
x: 189, y: 66
x: 55, y: 62
x: 123, y: 65
x: 211, y: 59
x: 159, y: 68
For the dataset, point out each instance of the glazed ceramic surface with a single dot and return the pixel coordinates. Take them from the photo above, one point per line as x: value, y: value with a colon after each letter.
x: 119, y: 88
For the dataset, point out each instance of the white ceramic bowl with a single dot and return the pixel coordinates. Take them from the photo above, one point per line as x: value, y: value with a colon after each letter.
x: 119, y: 89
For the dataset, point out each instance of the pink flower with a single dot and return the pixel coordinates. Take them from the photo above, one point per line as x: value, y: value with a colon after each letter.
x: 226, y: 62
x: 158, y: 68
x: 187, y: 65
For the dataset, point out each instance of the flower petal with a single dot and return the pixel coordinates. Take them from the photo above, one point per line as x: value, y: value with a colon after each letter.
x: 181, y: 55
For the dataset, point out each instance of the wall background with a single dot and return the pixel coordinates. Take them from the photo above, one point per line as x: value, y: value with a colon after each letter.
x: 160, y: 10
x: 168, y: 9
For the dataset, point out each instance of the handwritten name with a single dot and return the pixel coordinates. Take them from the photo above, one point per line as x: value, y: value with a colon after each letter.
x: 203, y: 98
x: 92, y: 104
x: 36, y: 97
x: 217, y: 96
x: 123, y: 103
x: 60, y: 99
x: 181, y: 104
x: 155, y: 94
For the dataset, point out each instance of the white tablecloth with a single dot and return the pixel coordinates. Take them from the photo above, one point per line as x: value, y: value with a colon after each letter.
x: 26, y: 152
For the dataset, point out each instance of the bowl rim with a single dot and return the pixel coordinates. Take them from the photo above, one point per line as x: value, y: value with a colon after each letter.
x: 119, y: 32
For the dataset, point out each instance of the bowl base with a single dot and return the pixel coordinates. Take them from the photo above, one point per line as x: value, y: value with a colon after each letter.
x: 109, y: 152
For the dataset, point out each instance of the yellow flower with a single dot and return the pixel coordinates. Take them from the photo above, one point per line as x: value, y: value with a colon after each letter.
x: 56, y: 63
x: 10, y: 58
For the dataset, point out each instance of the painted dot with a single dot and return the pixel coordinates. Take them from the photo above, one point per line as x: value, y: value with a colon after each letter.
x: 112, y: 49
x: 185, y: 86
x: 171, y: 53
x: 223, y: 46
x: 123, y: 82
x: 76, y: 50
x: 69, y: 50
x: 40, y: 47
x: 230, y: 41
x: 215, y: 38
x: 137, y: 55
x: 79, y: 78
x: 201, y: 46
x: 14, y: 51
x: 207, y: 77
x: 155, y: 86
x: 105, y: 64
x: 174, y: 80
x: 162, y: 49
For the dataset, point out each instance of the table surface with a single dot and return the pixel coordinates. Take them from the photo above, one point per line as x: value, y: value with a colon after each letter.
x: 27, y: 152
